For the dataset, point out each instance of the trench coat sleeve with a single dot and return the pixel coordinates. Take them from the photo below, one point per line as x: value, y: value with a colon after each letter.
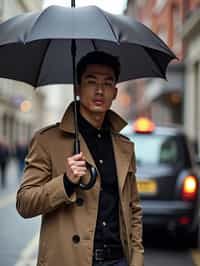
x: 136, y: 224
x: 39, y: 193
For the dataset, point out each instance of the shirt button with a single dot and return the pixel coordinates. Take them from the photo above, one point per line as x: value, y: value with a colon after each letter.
x: 101, y: 161
x: 104, y: 223
x: 99, y: 135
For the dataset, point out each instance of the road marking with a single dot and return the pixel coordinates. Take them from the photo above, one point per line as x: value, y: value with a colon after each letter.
x: 196, y: 257
x: 7, y: 200
x: 29, y: 253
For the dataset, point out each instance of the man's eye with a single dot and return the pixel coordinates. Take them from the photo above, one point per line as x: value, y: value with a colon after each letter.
x: 91, y: 82
x: 108, y: 84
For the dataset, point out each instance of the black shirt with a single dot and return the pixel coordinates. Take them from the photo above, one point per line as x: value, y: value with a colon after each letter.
x: 100, y: 145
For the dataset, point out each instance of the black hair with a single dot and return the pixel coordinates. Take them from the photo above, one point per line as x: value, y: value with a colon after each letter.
x: 99, y: 58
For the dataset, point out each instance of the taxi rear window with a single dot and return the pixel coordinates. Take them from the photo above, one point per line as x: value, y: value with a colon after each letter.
x: 155, y: 149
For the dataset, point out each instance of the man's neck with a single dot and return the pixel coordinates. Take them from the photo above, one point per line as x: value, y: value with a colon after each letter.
x: 95, y: 119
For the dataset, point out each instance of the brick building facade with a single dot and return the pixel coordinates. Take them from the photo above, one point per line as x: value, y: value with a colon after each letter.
x: 157, y: 98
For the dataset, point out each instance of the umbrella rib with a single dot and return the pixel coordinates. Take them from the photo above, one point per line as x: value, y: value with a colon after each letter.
x: 107, y: 20
x: 154, y: 59
x: 36, y: 22
x: 94, y: 45
x: 42, y: 61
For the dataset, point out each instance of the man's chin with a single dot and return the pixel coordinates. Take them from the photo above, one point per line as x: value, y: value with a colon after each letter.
x: 94, y: 108
x: 99, y: 109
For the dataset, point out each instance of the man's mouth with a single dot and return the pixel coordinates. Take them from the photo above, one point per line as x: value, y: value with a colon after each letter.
x: 98, y: 101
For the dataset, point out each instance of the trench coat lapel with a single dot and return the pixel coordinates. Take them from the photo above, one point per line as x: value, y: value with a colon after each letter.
x: 123, y: 151
x: 86, y: 152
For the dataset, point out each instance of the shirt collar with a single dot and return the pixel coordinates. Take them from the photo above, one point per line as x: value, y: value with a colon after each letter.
x: 86, y: 127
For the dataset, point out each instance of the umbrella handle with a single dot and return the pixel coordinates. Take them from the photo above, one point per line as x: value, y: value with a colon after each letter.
x: 93, y: 177
x: 92, y: 170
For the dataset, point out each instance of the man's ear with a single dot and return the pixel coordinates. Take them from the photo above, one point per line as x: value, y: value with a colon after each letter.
x: 115, y: 93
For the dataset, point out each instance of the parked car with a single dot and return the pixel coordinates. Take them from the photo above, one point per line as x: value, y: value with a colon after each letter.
x: 167, y: 177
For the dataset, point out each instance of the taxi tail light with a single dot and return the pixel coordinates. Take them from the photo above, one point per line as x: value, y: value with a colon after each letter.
x: 143, y: 125
x: 184, y: 220
x: 189, y: 188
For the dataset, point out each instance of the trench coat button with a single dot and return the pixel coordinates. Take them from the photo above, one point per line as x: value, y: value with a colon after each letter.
x: 79, y: 201
x: 76, y: 239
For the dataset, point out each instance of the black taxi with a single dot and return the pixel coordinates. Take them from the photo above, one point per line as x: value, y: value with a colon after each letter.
x: 167, y: 178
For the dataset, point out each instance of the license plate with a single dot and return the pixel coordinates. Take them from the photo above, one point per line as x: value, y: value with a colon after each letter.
x: 147, y: 186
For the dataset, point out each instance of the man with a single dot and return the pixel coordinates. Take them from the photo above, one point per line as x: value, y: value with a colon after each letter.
x: 4, y: 160
x: 100, y: 226
x: 21, y: 150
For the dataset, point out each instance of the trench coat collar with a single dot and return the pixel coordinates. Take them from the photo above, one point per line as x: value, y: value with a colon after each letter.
x: 67, y: 122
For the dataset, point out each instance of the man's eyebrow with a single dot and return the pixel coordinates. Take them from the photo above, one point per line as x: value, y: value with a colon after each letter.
x: 90, y: 76
x: 109, y: 78
x: 94, y: 77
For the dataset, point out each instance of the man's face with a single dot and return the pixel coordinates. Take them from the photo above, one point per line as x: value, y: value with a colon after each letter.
x: 97, y: 89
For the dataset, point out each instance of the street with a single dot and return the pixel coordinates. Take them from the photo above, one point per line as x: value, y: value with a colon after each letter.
x: 160, y: 249
x: 19, y: 237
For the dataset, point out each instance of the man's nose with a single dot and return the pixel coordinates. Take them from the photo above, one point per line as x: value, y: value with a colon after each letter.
x: 100, y: 88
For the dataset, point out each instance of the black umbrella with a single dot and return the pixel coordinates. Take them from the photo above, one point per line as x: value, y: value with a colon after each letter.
x: 43, y: 48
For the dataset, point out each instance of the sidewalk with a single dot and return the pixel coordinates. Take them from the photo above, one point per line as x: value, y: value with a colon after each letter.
x: 28, y: 256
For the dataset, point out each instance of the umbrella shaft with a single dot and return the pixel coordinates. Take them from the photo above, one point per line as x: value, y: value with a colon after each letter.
x: 73, y: 3
x: 73, y: 52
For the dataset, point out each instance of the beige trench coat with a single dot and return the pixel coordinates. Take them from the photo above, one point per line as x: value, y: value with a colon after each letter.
x: 68, y: 223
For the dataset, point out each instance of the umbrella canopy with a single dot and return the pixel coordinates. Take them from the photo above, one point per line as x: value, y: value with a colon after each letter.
x: 36, y: 47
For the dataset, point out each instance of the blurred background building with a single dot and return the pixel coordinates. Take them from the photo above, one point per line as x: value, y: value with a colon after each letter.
x: 160, y: 99
x: 191, y: 39
x: 176, y: 101
x: 20, y: 107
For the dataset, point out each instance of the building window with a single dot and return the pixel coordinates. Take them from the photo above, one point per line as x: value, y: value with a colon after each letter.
x: 197, y: 96
x: 1, y: 10
x: 142, y: 3
x: 159, y: 5
x: 162, y: 33
x: 177, y: 24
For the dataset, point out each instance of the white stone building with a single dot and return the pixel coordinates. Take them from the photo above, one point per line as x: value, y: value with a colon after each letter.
x: 20, y: 107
